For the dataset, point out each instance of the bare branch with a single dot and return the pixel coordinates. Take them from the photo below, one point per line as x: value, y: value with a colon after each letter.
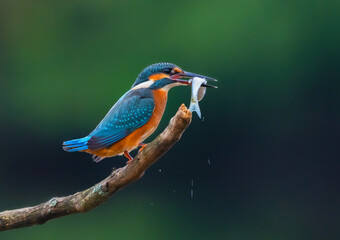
x: 101, y: 192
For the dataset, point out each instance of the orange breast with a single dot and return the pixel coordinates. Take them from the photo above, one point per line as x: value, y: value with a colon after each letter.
x: 131, y: 141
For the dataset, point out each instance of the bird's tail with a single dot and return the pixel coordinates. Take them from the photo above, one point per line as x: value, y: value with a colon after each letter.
x: 76, y: 144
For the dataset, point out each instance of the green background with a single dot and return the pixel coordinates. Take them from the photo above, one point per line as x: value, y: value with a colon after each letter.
x: 271, y: 130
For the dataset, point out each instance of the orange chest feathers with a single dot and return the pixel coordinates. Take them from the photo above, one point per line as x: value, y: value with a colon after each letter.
x: 160, y: 98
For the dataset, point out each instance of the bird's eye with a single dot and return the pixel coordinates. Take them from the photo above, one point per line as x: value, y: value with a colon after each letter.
x: 167, y: 70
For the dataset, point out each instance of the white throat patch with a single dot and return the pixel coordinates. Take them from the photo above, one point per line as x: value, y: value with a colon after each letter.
x: 150, y: 82
x: 143, y: 85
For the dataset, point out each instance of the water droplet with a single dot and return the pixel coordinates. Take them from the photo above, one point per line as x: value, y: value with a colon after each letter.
x: 192, y: 193
x: 192, y: 182
x: 174, y: 190
x: 151, y: 203
x: 159, y: 170
x: 209, y: 161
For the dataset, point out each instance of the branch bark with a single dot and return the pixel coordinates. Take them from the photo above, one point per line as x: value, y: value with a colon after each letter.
x: 99, y: 193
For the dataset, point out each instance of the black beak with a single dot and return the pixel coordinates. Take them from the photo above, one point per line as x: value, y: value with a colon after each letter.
x: 180, y: 77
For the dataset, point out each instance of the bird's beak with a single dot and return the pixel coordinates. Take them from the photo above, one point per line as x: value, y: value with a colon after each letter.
x: 185, y: 77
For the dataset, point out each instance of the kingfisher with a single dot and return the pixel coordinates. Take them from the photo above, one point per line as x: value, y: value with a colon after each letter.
x: 136, y: 115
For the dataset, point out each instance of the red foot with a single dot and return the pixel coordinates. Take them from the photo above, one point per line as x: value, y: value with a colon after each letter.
x: 142, y: 145
x: 126, y: 154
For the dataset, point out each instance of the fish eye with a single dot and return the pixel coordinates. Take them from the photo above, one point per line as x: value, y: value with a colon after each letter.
x: 167, y: 70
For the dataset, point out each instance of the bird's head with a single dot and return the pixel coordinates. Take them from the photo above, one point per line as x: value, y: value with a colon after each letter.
x: 165, y: 76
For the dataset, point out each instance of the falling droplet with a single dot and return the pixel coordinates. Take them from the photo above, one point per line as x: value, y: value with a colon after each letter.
x: 209, y: 161
x: 159, y: 170
x: 174, y: 190
x: 192, y: 193
x: 192, y: 182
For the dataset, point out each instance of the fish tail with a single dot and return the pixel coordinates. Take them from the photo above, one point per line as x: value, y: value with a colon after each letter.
x: 194, y: 107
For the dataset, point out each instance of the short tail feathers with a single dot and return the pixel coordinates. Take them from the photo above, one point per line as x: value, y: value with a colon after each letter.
x: 76, y: 144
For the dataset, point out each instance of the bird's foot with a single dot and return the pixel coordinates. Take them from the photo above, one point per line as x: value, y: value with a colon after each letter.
x: 126, y: 154
x: 142, y: 145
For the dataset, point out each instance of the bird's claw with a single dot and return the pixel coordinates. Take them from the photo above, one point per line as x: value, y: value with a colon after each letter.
x: 142, y: 145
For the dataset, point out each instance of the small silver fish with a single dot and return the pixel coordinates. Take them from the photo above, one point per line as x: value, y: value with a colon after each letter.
x: 197, y: 94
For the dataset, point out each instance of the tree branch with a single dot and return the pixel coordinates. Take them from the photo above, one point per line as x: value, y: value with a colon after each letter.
x: 92, y: 197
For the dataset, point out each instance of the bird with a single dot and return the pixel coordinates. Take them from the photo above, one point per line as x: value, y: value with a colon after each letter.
x: 136, y: 115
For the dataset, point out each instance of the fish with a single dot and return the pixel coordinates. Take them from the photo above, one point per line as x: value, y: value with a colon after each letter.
x: 197, y: 94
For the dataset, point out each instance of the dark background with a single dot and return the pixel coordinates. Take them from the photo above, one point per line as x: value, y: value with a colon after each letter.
x: 270, y: 131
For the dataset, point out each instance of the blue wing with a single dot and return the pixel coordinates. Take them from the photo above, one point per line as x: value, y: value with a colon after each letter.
x: 131, y: 111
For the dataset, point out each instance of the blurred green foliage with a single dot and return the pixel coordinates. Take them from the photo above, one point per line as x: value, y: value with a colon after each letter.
x: 270, y: 128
